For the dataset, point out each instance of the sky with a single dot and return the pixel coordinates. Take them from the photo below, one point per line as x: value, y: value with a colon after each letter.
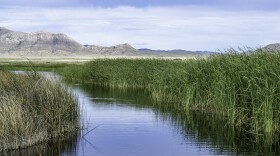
x: 211, y: 25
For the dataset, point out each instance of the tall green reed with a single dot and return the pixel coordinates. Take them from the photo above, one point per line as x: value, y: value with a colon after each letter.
x: 34, y: 109
x: 243, y: 87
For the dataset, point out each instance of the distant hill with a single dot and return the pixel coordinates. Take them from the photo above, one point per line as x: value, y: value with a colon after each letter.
x: 36, y: 43
x: 42, y: 43
x: 274, y: 47
x: 121, y: 49
x: 174, y: 52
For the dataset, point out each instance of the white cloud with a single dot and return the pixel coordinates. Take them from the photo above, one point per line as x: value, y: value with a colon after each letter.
x: 158, y: 27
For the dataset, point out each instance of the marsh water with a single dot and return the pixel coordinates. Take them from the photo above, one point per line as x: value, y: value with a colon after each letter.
x: 127, y: 123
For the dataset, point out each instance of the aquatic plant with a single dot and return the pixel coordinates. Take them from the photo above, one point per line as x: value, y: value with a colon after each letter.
x: 243, y: 88
x: 34, y: 109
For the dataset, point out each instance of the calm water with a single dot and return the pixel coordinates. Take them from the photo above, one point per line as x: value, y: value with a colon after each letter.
x: 126, y: 123
x: 126, y: 127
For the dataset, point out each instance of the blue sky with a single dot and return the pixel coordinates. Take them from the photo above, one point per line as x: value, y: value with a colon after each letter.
x: 156, y: 24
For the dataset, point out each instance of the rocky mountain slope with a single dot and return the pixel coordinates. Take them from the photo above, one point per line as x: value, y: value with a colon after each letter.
x: 122, y: 49
x: 274, y: 47
x: 43, y: 43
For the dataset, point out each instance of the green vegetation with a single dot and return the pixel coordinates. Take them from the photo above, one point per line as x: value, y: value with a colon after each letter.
x: 31, y: 66
x: 34, y: 109
x: 242, y: 88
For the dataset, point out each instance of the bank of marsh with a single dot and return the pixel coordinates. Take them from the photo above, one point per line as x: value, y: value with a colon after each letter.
x: 243, y: 88
x: 34, y: 109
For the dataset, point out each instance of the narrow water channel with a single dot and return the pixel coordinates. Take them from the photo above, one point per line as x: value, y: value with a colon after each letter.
x: 126, y: 123
x: 120, y: 123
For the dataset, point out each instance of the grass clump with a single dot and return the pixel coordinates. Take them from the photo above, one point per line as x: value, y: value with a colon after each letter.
x: 243, y: 88
x: 34, y: 109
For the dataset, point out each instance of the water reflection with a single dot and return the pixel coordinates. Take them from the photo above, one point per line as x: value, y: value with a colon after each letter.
x: 126, y: 122
x: 54, y: 147
x: 193, y: 129
x: 204, y: 131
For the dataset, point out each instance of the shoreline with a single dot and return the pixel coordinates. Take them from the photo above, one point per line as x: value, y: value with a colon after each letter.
x: 86, y: 58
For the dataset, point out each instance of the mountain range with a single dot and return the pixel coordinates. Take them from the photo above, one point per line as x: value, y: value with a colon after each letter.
x: 174, y: 52
x: 45, y: 44
x: 42, y: 43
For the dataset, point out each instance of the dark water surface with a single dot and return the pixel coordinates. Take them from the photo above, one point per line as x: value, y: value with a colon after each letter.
x: 126, y: 123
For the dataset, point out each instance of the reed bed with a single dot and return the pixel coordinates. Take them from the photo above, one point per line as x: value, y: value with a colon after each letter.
x: 34, y: 109
x: 243, y: 88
